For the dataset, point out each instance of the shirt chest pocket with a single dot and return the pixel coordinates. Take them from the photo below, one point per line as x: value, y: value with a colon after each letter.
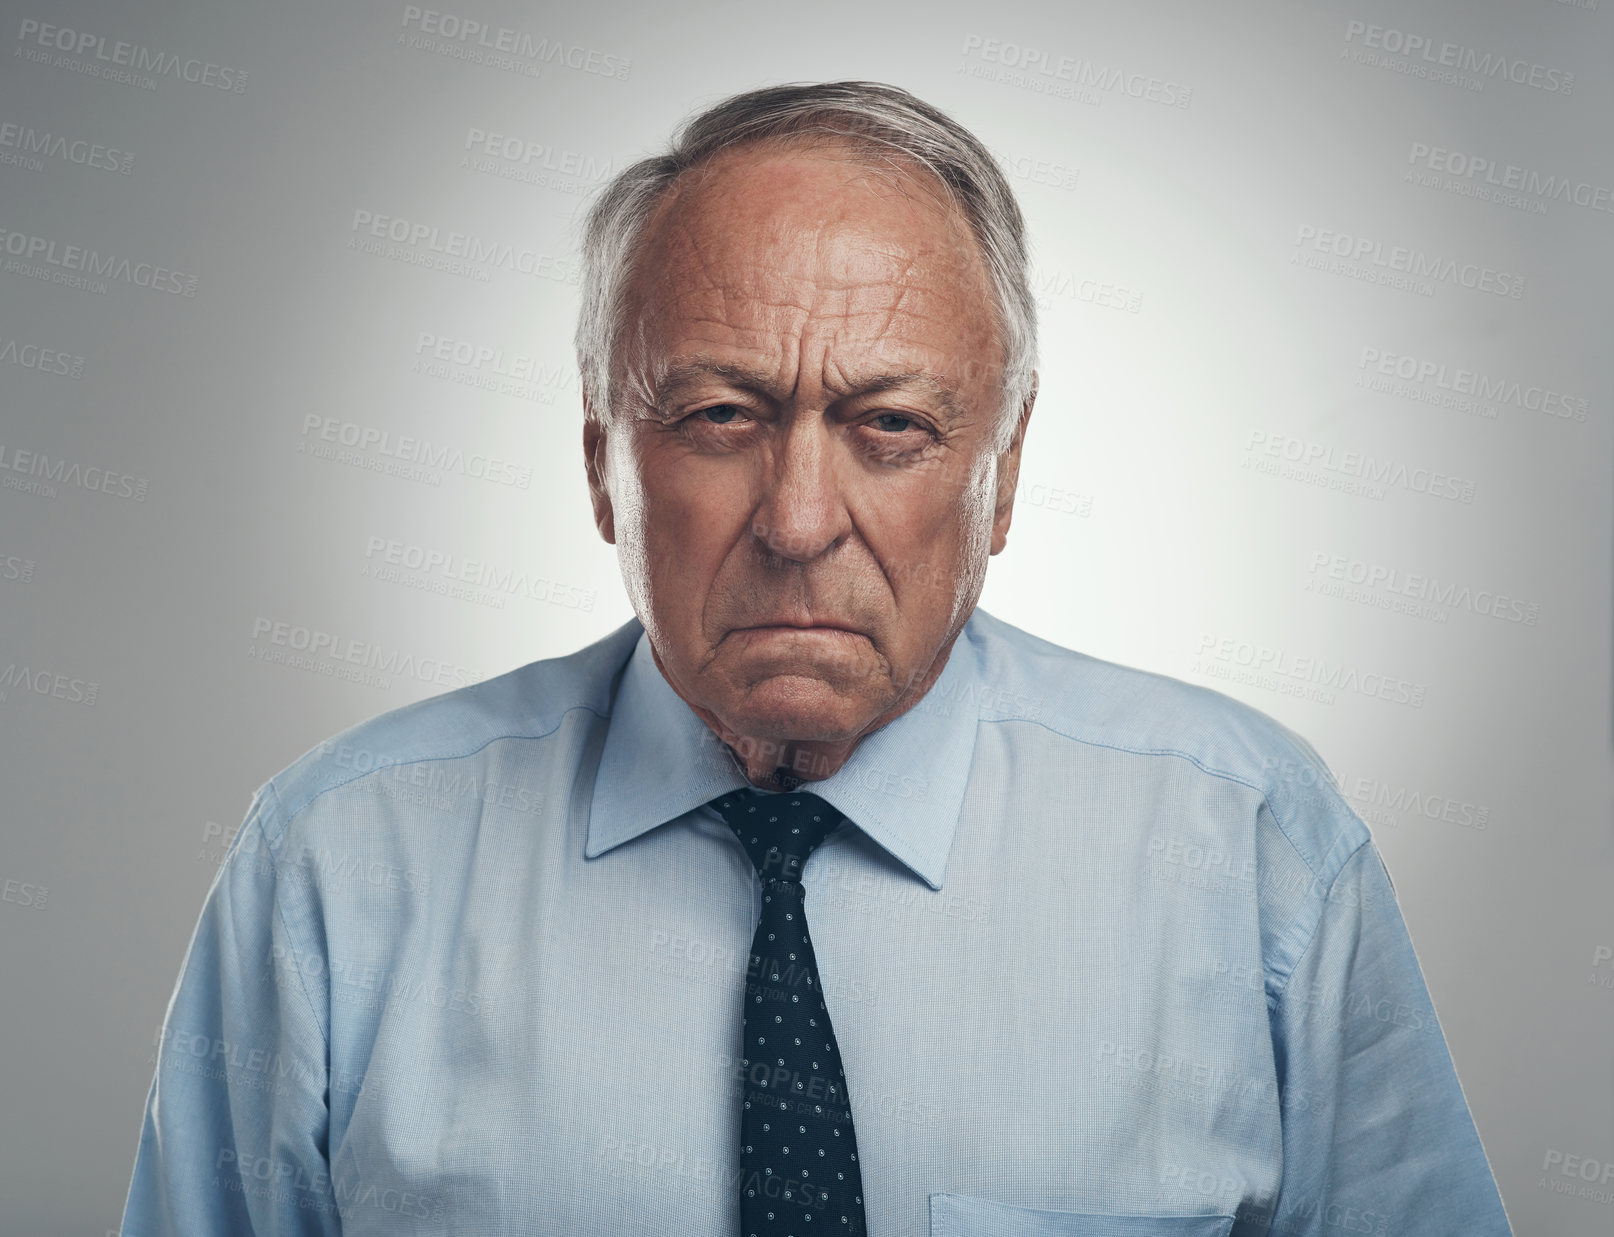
x: 960, y: 1215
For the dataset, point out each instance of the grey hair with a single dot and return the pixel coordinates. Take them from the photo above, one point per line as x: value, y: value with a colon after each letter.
x: 872, y: 118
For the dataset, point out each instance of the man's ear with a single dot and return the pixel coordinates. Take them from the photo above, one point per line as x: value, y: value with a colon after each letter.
x: 1009, y: 473
x: 594, y: 463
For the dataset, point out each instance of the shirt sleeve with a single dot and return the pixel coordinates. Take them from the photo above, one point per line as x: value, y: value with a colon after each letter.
x: 234, y: 1139
x: 1377, y: 1137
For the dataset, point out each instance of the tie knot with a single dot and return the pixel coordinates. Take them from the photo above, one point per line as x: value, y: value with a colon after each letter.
x: 779, y: 832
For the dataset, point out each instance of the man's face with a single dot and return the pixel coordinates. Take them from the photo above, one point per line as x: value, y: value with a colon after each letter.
x: 800, y: 474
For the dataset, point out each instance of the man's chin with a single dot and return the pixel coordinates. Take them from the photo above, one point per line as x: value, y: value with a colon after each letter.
x: 801, y: 708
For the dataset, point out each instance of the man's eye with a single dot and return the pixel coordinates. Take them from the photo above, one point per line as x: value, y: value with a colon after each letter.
x: 893, y: 422
x: 720, y: 414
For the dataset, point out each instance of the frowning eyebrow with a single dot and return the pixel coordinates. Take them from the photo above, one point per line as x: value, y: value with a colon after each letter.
x: 679, y: 378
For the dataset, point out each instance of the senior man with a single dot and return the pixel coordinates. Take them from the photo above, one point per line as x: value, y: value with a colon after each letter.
x: 815, y: 900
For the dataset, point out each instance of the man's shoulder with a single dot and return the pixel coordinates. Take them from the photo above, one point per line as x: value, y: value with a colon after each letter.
x: 1106, y: 704
x: 528, y: 702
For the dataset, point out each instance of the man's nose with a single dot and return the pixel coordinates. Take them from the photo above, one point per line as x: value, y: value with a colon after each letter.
x: 802, y: 514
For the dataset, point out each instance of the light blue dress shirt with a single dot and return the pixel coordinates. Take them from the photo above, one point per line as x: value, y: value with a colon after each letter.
x: 1105, y: 952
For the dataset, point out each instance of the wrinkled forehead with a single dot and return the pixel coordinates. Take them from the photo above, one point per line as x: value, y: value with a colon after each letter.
x: 811, y: 228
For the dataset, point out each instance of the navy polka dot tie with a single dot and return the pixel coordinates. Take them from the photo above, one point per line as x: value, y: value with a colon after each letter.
x: 798, y: 1154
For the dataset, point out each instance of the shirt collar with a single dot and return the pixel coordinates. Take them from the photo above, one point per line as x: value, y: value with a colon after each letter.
x: 903, y: 785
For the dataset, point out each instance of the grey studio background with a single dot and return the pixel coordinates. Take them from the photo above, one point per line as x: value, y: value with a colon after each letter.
x: 290, y: 429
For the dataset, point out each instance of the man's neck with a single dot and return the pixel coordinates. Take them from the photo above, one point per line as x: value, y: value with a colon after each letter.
x: 772, y: 765
x: 784, y: 764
